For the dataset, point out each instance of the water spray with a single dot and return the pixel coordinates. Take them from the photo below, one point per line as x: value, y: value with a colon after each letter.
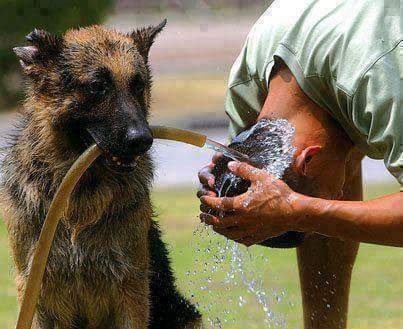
x: 62, y: 197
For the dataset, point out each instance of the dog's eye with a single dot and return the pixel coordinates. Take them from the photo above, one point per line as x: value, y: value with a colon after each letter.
x: 98, y: 88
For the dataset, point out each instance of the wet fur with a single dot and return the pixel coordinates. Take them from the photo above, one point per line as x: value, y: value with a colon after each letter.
x: 108, y: 267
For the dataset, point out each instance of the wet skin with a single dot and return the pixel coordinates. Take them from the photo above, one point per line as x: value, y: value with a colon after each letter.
x: 326, y: 198
x: 322, y: 156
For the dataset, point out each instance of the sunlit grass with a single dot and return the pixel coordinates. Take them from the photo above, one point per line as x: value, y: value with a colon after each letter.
x: 377, y: 288
x: 8, y: 295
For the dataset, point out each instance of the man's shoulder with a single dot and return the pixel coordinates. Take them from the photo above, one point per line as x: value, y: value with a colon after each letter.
x: 339, y: 40
x: 277, y: 18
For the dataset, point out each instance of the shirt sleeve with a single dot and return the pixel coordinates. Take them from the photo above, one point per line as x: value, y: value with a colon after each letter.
x: 243, y: 104
x: 376, y: 110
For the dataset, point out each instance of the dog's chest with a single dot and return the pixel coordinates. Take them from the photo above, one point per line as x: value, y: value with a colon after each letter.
x: 104, y: 253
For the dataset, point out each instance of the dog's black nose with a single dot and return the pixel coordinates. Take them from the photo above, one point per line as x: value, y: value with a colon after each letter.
x: 139, y: 141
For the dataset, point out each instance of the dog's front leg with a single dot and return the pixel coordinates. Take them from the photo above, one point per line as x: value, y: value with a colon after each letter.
x: 42, y: 320
x: 134, y: 311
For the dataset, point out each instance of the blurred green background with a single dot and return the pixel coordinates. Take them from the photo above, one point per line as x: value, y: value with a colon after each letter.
x: 376, y: 294
x: 19, y: 17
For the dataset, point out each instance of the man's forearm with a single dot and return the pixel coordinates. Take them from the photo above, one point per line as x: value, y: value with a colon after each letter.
x: 378, y: 221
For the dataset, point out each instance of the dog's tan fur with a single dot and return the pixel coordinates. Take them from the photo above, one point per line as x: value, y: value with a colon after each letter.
x: 107, y: 260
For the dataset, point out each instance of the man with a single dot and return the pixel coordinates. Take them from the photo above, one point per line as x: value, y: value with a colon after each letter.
x: 333, y: 69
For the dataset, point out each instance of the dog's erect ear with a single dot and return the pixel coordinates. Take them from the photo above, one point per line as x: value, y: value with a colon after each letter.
x: 144, y: 37
x: 26, y: 55
x: 44, y: 47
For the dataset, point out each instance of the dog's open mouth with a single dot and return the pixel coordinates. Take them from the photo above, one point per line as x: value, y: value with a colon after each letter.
x: 121, y: 164
x: 113, y: 162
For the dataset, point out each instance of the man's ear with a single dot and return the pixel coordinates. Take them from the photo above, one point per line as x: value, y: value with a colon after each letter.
x: 144, y: 37
x: 44, y: 47
x: 304, y: 158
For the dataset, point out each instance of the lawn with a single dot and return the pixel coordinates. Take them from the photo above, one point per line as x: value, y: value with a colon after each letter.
x: 204, y: 275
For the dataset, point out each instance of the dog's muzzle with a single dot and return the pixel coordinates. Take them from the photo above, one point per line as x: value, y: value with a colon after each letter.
x: 122, y: 151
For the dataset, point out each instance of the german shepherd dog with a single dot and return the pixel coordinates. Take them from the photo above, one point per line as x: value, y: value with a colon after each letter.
x: 108, y: 267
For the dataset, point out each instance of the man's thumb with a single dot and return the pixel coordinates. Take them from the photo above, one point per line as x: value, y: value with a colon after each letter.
x: 244, y: 170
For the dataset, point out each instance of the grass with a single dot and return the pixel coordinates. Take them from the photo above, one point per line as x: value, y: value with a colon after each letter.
x: 377, y: 288
x: 8, y: 302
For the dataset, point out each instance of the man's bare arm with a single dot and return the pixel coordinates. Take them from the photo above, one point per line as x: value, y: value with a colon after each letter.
x: 378, y: 221
x: 275, y: 208
x: 271, y: 208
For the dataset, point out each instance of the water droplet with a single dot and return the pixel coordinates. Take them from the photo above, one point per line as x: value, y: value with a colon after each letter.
x: 226, y: 264
x: 241, y: 302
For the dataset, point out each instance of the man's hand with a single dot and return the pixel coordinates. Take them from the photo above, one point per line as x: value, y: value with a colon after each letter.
x: 207, y: 179
x: 268, y: 208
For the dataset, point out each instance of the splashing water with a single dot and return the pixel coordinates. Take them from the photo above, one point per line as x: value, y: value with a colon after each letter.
x: 229, y: 275
x: 225, y: 150
x: 267, y: 145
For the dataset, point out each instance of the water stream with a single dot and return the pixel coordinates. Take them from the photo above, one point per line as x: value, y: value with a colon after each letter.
x: 229, y: 269
x: 226, y: 151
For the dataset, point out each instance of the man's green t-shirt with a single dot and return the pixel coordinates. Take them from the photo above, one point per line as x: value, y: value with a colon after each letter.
x: 347, y: 56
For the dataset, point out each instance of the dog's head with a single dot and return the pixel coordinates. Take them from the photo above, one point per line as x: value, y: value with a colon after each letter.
x: 94, y: 85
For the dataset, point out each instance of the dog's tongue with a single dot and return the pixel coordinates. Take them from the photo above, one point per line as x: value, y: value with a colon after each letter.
x: 121, y: 164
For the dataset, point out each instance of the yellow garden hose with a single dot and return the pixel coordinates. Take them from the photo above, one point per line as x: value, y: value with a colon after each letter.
x: 58, y: 206
x: 179, y: 135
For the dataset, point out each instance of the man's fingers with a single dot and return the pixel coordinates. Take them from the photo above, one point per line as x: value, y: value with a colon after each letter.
x: 246, y: 171
x: 248, y: 241
x: 206, y: 178
x: 207, y: 210
x: 205, y: 192
x: 232, y: 233
x: 209, y: 219
x: 222, y: 226
x: 217, y: 156
x: 222, y: 204
x: 228, y: 221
